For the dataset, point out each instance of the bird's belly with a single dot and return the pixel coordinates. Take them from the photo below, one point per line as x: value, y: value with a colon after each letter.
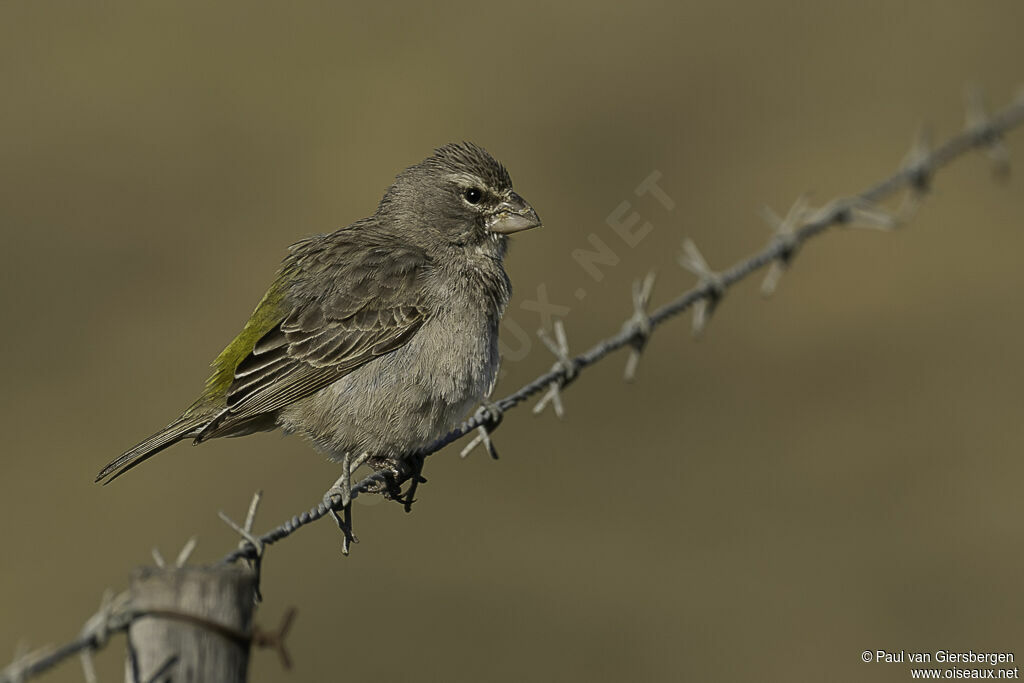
x: 406, y: 399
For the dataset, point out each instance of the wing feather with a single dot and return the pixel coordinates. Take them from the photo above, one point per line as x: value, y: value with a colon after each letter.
x: 277, y: 374
x: 372, y: 305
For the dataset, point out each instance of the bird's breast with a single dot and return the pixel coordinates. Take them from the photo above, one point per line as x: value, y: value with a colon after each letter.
x: 408, y: 398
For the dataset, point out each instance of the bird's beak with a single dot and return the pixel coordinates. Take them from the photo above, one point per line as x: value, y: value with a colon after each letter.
x: 512, y: 215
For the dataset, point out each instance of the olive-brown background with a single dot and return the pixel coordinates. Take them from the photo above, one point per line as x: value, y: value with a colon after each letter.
x: 833, y: 470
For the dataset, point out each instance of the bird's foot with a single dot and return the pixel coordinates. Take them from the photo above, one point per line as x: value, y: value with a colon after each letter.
x: 394, y: 472
x: 409, y: 497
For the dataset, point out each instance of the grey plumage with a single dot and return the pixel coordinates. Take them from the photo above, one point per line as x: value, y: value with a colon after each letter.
x: 380, y: 336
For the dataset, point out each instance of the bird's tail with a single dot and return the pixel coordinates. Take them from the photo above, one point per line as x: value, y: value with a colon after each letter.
x: 186, y: 426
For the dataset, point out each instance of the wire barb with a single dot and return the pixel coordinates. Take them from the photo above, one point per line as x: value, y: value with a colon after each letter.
x: 246, y: 531
x: 489, y: 416
x: 342, y: 490
x: 565, y: 367
x: 917, y: 168
x: 639, y: 326
x: 692, y: 260
x: 19, y: 670
x: 785, y: 241
x: 855, y: 212
x: 254, y: 506
x: 97, y: 629
x: 249, y: 538
x: 275, y: 640
x: 979, y: 124
x: 917, y: 163
x: 186, y: 551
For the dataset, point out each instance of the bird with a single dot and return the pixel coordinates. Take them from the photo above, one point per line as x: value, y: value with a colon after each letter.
x: 377, y: 338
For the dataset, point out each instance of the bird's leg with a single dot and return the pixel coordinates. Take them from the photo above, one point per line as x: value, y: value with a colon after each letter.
x: 342, y: 489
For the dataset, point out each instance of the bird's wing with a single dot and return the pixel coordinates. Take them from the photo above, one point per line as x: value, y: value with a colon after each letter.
x: 348, y: 303
x: 309, y: 350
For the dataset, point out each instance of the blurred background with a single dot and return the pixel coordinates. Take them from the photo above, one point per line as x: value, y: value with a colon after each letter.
x: 833, y: 470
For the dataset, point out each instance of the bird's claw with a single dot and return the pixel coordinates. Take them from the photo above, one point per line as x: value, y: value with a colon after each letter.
x: 393, y: 490
x: 417, y: 478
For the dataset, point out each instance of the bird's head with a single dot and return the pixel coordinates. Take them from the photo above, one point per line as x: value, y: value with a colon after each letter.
x: 460, y: 196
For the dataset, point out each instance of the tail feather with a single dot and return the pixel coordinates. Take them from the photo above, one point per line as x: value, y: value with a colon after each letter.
x: 182, y: 428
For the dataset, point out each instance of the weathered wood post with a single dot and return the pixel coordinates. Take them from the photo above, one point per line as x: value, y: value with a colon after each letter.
x: 195, y: 625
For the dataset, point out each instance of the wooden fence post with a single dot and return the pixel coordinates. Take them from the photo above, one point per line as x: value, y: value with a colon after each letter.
x: 195, y: 625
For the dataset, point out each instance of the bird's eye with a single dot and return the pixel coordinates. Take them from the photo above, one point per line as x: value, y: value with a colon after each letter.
x: 473, y: 195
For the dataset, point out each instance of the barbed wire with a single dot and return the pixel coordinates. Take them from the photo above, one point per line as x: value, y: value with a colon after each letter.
x: 982, y: 131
